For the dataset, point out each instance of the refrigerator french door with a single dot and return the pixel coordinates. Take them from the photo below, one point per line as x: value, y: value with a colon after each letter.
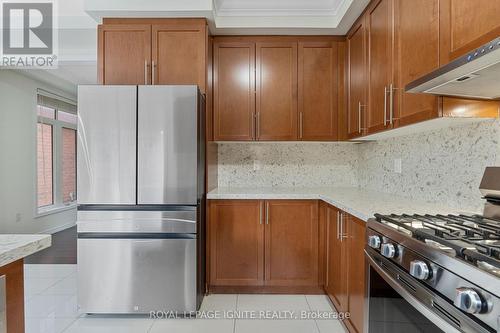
x: 140, y: 171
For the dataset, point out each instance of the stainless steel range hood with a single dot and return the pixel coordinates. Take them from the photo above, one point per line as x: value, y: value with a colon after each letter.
x: 474, y: 75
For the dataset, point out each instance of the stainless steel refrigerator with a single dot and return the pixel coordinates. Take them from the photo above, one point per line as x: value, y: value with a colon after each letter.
x: 141, y: 192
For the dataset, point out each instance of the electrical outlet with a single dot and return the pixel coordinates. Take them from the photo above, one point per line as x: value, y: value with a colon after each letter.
x: 256, y: 165
x: 397, y: 165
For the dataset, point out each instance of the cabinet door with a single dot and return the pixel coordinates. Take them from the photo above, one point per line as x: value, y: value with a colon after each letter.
x: 356, y: 78
x: 276, y: 82
x: 336, y: 272
x: 179, y: 53
x: 417, y: 32
x: 236, y: 235
x: 234, y: 91
x: 466, y: 25
x: 356, y: 269
x: 124, y: 54
x: 380, y: 51
x: 318, y: 87
x: 291, y: 243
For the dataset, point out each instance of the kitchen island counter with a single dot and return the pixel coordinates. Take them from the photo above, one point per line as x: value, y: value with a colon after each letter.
x: 17, y: 246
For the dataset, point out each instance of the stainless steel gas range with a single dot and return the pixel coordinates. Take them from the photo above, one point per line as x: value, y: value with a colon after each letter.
x: 435, y: 273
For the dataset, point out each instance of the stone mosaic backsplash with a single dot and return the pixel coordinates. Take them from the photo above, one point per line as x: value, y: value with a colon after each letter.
x: 443, y: 166
x: 287, y: 164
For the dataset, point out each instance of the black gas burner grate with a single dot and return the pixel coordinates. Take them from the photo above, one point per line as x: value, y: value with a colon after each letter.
x: 472, y: 238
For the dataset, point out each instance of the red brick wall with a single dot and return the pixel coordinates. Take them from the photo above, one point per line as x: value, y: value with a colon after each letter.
x: 69, y: 164
x: 44, y: 165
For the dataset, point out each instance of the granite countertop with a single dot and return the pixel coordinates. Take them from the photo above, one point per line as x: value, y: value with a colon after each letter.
x: 358, y: 202
x: 16, y: 246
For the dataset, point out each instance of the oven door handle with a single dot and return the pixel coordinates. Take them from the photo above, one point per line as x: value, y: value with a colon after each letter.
x: 415, y: 302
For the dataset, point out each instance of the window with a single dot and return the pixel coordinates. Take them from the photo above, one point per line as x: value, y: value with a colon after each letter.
x: 68, y: 165
x: 44, y: 164
x: 56, y: 153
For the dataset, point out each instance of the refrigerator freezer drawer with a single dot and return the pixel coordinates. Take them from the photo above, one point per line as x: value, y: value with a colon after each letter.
x: 119, y: 276
x: 180, y: 221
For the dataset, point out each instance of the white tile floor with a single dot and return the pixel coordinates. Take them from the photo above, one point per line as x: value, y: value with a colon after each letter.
x: 51, y: 307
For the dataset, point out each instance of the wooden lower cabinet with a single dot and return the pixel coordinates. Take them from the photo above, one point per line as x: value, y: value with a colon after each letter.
x: 236, y: 233
x: 355, y: 243
x: 14, y: 289
x: 345, y: 264
x: 336, y: 272
x: 291, y: 249
x: 288, y: 246
x: 264, y: 246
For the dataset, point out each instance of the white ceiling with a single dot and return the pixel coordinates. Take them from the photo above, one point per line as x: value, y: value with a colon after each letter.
x: 78, y: 20
x: 279, y: 7
x: 296, y: 17
x: 67, y: 76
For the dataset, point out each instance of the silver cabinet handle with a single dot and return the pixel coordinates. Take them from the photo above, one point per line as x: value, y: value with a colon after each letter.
x: 385, y: 105
x: 153, y: 68
x: 145, y: 72
x: 267, y: 212
x: 338, y: 224
x: 257, y: 124
x: 359, y: 117
x: 300, y: 125
x: 253, y: 123
x: 341, y: 226
x: 391, y: 103
x: 344, y: 231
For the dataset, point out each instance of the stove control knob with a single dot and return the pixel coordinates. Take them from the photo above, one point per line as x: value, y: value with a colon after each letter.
x: 388, y: 250
x: 469, y: 300
x: 374, y: 241
x: 419, y: 270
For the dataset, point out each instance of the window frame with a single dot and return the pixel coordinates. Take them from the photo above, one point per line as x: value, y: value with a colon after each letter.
x: 57, y: 164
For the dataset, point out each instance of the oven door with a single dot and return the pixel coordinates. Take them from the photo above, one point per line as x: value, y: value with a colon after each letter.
x: 399, y: 303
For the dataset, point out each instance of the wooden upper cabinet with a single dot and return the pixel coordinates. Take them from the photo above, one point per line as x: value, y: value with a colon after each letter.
x: 380, y: 58
x: 276, y: 83
x: 179, y: 54
x: 355, y: 242
x: 124, y: 54
x: 273, y: 88
x: 336, y: 269
x: 466, y: 25
x: 416, y: 33
x: 234, y: 91
x: 153, y: 51
x: 356, y: 80
x: 318, y: 90
x: 236, y: 234
x: 291, y: 243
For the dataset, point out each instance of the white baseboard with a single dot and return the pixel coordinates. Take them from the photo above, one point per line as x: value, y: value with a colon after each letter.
x: 58, y: 228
